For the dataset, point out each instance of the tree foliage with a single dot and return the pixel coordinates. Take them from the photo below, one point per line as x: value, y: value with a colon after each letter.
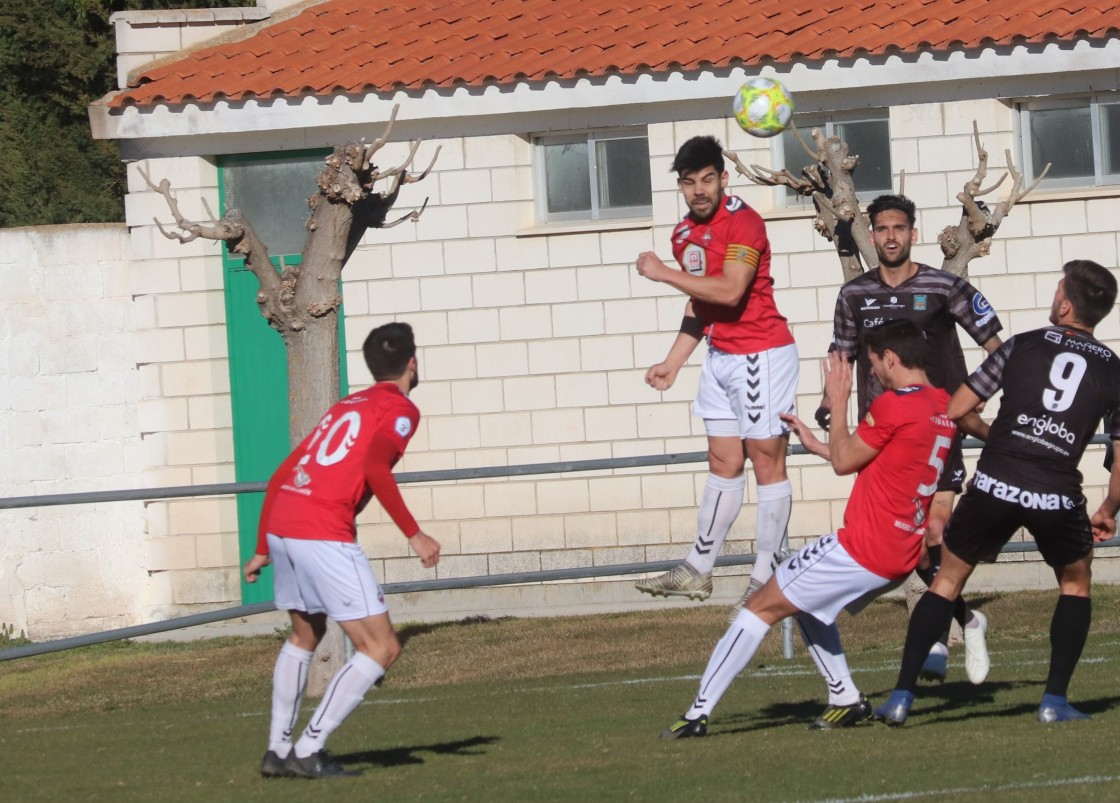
x: 56, y: 57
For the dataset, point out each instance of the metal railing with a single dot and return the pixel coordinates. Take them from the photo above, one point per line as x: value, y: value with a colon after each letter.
x: 443, y: 584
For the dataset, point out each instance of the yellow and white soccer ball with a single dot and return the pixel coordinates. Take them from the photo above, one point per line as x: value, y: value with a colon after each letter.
x: 763, y: 107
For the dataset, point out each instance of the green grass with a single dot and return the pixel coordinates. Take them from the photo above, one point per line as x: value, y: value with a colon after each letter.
x: 568, y: 709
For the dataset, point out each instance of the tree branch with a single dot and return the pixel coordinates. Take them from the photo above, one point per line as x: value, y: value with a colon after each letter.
x: 972, y: 236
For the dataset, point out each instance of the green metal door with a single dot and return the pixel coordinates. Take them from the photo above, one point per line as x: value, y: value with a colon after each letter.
x: 271, y: 191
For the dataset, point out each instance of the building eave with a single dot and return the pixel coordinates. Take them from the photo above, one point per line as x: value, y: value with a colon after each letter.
x: 925, y: 77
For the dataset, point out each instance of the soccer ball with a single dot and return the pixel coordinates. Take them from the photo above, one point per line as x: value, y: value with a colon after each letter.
x: 763, y: 107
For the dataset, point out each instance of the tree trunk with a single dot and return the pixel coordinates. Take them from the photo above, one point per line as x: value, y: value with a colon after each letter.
x: 313, y: 374
x: 313, y: 386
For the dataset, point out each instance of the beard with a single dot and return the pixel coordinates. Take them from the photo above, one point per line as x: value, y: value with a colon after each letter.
x: 901, y: 259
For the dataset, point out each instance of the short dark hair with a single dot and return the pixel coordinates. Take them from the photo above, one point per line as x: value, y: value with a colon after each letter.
x: 388, y: 349
x: 901, y: 336
x: 698, y: 153
x: 1091, y: 289
x: 886, y: 202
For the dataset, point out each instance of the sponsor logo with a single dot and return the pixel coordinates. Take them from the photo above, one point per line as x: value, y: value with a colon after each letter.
x: 1075, y: 343
x: 920, y: 303
x: 1046, y: 425
x: 403, y: 426
x: 1027, y: 499
x: 871, y: 323
x: 958, y: 475
x: 982, y: 309
x: 693, y: 259
x: 1054, y: 337
x: 870, y: 303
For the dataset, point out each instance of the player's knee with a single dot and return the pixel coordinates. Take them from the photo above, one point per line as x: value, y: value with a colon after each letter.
x: 724, y: 466
x: 384, y: 650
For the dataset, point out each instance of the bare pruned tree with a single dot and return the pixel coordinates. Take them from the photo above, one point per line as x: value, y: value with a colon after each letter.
x: 301, y: 301
x: 830, y: 182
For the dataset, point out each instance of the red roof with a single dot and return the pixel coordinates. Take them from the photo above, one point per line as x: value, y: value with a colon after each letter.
x: 355, y: 47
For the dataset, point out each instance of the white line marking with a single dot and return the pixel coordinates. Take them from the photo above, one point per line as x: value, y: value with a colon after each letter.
x: 1087, y: 779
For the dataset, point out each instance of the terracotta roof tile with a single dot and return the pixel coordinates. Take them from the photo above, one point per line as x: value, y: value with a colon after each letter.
x: 360, y: 46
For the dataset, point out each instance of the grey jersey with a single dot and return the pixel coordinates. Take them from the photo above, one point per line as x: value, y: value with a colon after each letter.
x: 935, y: 300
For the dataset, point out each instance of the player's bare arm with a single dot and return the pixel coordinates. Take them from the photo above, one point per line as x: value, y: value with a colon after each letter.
x: 1104, y: 520
x: 664, y: 374
x: 253, y: 566
x: 726, y: 290
x: 426, y: 548
x: 991, y: 344
x: 823, y: 415
x: 847, y: 451
x: 804, y: 433
x: 964, y: 409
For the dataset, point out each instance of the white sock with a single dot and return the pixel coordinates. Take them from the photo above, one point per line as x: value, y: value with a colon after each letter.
x: 348, y: 688
x: 823, y: 642
x: 730, y: 657
x: 719, y: 506
x: 775, y: 501
x: 289, y: 679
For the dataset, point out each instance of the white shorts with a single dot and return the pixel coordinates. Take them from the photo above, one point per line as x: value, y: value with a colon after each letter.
x: 822, y: 579
x: 331, y: 577
x: 742, y: 394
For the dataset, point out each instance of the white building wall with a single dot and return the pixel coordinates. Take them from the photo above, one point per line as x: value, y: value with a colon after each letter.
x: 534, y: 344
x: 69, y: 390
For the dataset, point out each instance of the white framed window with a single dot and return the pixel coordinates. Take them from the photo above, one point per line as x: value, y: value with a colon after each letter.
x: 596, y: 175
x: 1078, y: 137
x: 271, y: 191
x: 868, y: 134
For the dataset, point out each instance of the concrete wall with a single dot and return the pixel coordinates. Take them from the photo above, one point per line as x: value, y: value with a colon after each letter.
x: 69, y: 388
x: 534, y: 344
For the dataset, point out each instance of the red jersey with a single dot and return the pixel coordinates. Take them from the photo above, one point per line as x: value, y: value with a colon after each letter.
x: 738, y: 233
x: 885, y: 520
x: 331, y: 476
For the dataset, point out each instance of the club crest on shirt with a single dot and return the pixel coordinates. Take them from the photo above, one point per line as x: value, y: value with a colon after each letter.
x: 403, y: 426
x: 920, y: 303
x: 693, y: 259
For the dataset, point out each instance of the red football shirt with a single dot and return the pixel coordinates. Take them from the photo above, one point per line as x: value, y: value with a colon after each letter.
x: 328, y: 479
x: 885, y: 519
x: 735, y: 232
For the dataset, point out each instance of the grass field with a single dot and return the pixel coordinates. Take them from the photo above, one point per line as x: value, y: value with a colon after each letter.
x: 569, y: 709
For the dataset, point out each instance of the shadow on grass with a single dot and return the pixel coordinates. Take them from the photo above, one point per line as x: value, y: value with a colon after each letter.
x: 412, y: 630
x: 950, y: 702
x: 400, y: 756
x: 958, y: 702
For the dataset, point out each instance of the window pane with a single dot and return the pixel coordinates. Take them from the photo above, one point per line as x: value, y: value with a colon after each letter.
x: 568, y: 177
x: 1064, y: 138
x: 796, y: 158
x: 272, y: 195
x: 623, y: 168
x: 1110, y: 137
x: 871, y: 141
